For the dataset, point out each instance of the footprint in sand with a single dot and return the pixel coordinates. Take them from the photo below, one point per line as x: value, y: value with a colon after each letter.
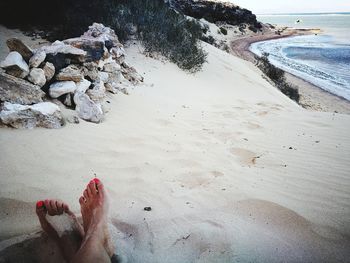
x: 262, y: 113
x: 270, y: 105
x: 253, y: 125
x: 244, y: 156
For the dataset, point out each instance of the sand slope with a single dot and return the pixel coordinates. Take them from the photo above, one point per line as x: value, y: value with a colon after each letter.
x: 233, y: 170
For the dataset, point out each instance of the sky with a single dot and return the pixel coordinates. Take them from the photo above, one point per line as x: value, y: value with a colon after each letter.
x: 293, y: 6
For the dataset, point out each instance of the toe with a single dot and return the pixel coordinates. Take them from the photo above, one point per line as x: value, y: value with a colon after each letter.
x: 48, y: 207
x: 86, y: 194
x: 92, y: 188
x: 82, y: 200
x: 88, y: 188
x: 100, y: 187
x: 52, y: 209
x: 60, y: 208
x: 40, y: 208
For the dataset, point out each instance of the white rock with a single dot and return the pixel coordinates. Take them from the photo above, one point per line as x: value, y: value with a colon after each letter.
x: 72, y: 72
x: 102, y: 62
x: 15, y: 65
x: 117, y: 52
x: 37, y: 77
x: 115, y: 77
x: 49, y: 70
x: 44, y: 114
x: 87, y: 109
x: 112, y: 87
x: 60, y: 88
x: 132, y: 75
x: 82, y: 86
x: 101, y: 32
x: 37, y: 59
x: 113, y: 84
x: 67, y: 51
x: 111, y: 67
x: 98, y: 92
x: 103, y: 76
x: 126, y: 64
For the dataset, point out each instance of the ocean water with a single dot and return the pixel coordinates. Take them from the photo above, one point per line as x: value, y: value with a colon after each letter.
x: 322, y: 59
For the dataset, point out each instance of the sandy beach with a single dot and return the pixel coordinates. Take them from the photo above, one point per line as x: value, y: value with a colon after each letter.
x: 312, y: 97
x: 233, y: 170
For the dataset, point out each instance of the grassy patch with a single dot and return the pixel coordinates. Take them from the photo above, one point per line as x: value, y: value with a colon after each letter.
x: 278, y: 77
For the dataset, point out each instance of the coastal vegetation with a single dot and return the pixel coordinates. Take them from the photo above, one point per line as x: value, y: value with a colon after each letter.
x: 277, y: 76
x: 160, y: 29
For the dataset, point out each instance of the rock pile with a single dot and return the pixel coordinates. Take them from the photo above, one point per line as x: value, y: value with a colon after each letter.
x: 77, y: 72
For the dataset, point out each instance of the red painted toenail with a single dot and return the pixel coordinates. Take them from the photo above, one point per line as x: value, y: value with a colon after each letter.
x: 39, y: 204
x: 96, y: 180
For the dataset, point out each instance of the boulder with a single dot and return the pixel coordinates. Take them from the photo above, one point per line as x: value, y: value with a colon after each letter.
x: 106, y: 53
x: 115, y: 77
x: 44, y: 114
x: 114, y: 82
x: 90, y: 71
x: 102, y: 62
x: 60, y: 88
x: 98, y: 92
x: 112, y: 87
x: 15, y: 65
x: 131, y: 75
x: 15, y: 44
x: 71, y: 72
x: 37, y: 59
x: 82, y: 86
x: 118, y: 51
x: 61, y: 55
x: 103, y: 33
x: 94, y: 48
x: 37, y: 77
x: 49, y: 71
x: 118, y: 54
x: 111, y: 67
x: 19, y: 91
x: 103, y: 76
x: 87, y: 109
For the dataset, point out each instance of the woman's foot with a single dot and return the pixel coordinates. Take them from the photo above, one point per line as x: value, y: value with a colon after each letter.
x: 94, y: 209
x: 68, y: 242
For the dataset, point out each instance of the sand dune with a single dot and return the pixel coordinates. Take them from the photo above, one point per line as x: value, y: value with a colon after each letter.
x: 234, y: 171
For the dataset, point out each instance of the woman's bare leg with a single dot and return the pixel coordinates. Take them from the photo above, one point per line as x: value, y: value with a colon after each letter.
x: 96, y: 245
x: 69, y: 242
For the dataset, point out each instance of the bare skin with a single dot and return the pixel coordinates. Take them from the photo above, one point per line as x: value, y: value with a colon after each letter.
x: 69, y: 242
x: 90, y: 242
x: 96, y: 245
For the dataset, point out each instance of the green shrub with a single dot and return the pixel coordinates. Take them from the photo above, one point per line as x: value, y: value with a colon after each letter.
x: 277, y: 76
x: 170, y: 33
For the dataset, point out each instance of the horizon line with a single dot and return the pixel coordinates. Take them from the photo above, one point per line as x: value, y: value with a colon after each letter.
x: 305, y: 13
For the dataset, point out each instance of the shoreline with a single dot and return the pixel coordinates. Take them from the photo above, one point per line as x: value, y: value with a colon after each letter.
x: 312, y: 97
